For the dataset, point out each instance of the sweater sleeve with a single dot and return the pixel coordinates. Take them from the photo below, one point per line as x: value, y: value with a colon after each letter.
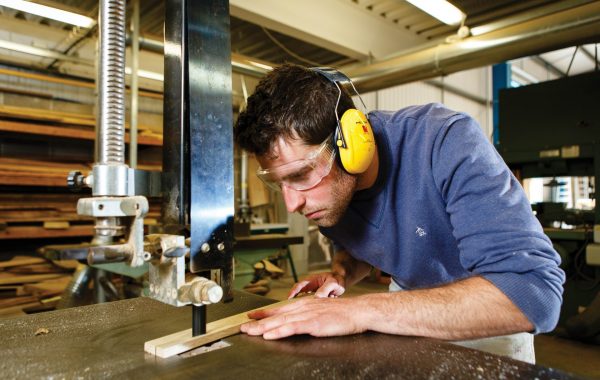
x: 498, y: 236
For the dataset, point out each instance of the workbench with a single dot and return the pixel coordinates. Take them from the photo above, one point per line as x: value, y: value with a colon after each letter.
x: 107, y: 341
x: 253, y: 248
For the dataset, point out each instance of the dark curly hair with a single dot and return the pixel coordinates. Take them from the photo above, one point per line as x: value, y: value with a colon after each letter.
x: 291, y: 101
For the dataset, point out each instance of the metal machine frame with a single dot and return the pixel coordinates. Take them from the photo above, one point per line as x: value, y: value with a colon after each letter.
x: 197, y: 180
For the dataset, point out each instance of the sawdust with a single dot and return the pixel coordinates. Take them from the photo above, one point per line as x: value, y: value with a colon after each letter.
x: 41, y: 331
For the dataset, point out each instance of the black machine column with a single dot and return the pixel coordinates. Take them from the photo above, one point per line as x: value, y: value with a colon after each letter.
x: 198, y: 187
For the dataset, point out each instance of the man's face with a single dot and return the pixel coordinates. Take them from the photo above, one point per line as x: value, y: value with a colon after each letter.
x: 326, y: 202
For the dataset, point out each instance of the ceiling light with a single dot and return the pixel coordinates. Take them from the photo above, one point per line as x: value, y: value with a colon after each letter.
x: 147, y: 74
x: 440, y: 9
x: 49, y: 12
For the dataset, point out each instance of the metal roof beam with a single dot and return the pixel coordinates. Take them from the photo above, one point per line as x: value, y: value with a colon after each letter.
x: 337, y: 25
x: 550, y: 67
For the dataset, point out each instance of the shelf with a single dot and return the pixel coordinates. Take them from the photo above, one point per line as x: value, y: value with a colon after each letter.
x: 18, y: 172
x: 70, y: 132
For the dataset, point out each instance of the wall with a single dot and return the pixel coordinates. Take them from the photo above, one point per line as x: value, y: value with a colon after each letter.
x: 475, y: 83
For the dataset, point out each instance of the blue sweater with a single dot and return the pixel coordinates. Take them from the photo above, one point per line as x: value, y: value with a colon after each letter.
x: 445, y: 207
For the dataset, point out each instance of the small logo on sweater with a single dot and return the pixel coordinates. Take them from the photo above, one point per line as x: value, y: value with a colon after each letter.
x: 420, y: 232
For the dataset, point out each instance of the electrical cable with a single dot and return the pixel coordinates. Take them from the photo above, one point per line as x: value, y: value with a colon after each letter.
x: 288, y: 51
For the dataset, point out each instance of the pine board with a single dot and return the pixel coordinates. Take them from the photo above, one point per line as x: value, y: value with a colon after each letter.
x: 183, y: 341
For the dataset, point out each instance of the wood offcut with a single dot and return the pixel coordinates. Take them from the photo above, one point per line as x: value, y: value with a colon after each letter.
x: 183, y: 341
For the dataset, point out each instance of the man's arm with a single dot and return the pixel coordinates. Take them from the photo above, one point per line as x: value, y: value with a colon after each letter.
x: 348, y: 268
x: 467, y: 309
x: 345, y: 271
x: 497, y: 234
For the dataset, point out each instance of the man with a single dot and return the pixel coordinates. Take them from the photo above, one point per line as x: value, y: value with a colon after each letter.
x: 436, y: 208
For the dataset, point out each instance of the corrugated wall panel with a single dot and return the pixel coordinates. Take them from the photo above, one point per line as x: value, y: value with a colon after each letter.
x: 476, y: 110
x: 407, y: 95
x: 474, y: 82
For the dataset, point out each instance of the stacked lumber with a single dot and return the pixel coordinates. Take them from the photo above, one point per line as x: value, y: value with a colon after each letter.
x: 69, y: 82
x: 21, y: 172
x: 28, y: 216
x: 32, y: 284
x: 61, y: 124
x: 18, y: 172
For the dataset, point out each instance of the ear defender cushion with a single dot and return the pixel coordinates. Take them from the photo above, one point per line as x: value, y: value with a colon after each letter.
x: 360, y: 142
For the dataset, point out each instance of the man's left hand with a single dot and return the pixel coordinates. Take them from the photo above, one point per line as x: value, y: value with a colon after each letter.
x: 314, y: 316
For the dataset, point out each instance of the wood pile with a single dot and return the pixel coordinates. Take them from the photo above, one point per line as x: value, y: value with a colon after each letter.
x: 20, y: 172
x: 28, y: 216
x: 31, y: 284
x: 61, y: 124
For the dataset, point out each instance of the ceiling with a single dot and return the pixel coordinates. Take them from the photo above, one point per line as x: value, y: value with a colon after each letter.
x: 310, y: 32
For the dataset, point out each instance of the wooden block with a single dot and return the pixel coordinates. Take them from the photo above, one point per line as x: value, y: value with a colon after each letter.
x: 183, y: 341
x: 268, y: 266
x: 47, y: 288
x: 56, y: 225
x: 46, y: 305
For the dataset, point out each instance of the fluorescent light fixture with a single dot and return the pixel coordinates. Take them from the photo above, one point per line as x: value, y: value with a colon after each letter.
x: 261, y: 65
x: 49, y: 12
x: 440, y: 9
x: 146, y: 74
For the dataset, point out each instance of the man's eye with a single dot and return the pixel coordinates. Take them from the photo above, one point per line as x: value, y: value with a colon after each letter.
x: 299, y: 175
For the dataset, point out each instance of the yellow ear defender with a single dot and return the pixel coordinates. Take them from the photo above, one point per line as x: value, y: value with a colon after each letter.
x: 353, y: 137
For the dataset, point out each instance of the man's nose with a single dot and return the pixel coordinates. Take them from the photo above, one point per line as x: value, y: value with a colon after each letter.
x: 294, y: 199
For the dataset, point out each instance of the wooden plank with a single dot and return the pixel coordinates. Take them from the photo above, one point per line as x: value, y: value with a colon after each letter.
x: 183, y: 341
x: 63, y: 165
x: 69, y: 82
x: 46, y: 115
x: 56, y: 224
x: 48, y: 288
x: 30, y: 232
x: 21, y: 260
x: 11, y: 217
x: 73, y: 133
x: 9, y: 302
x: 35, y: 269
x: 32, y: 179
x: 36, y: 114
x: 28, y: 278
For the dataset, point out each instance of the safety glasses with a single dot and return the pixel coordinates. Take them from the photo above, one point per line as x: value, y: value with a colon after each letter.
x: 303, y: 174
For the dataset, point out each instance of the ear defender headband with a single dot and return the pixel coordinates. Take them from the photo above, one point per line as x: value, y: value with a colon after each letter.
x: 353, y: 137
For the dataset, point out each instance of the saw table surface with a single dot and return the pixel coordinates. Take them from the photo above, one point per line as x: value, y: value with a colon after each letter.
x: 107, y: 341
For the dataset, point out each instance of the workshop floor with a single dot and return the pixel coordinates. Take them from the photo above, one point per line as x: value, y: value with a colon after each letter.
x: 564, y: 354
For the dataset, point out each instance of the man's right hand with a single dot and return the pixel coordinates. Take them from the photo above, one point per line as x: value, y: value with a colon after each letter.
x: 323, y: 284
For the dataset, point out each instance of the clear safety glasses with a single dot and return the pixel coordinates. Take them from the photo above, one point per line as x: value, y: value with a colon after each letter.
x: 303, y: 174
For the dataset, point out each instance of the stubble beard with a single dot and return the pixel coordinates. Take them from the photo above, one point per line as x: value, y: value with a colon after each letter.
x: 342, y: 191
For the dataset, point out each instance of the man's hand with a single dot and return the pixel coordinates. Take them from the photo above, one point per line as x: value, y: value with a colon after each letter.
x: 325, y: 284
x: 314, y: 316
